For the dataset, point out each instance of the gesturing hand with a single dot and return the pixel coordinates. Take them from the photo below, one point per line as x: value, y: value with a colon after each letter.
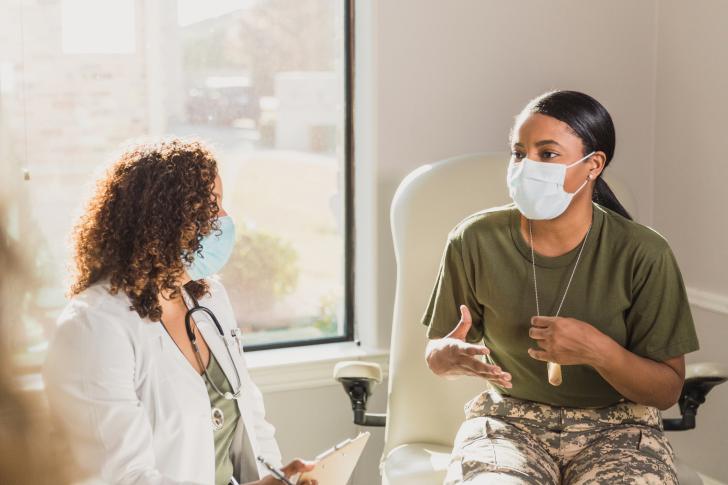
x: 452, y: 356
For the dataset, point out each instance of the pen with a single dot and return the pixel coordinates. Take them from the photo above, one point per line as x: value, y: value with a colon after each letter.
x: 276, y: 473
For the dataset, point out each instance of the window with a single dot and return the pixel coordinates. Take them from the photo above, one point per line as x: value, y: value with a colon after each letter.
x: 266, y: 83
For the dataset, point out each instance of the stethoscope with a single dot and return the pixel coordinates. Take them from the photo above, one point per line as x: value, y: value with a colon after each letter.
x: 193, y: 339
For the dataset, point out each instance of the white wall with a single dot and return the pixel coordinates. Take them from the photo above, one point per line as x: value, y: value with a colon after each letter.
x: 450, y: 80
x: 690, y: 189
x: 436, y: 79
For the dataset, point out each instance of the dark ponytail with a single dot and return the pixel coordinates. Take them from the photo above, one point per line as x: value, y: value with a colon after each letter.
x: 591, y: 122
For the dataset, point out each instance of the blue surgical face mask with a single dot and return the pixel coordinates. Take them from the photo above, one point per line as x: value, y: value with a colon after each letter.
x: 216, y: 249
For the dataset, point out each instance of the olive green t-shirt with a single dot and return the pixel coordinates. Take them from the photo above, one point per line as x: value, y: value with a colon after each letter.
x: 627, y: 285
x: 223, y: 436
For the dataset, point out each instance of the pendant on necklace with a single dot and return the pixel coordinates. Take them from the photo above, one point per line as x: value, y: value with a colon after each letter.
x: 218, y: 419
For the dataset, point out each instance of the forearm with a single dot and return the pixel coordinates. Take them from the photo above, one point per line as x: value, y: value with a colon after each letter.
x: 639, y: 379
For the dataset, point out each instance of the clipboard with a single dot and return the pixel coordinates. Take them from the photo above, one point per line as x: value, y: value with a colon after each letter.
x: 336, y: 464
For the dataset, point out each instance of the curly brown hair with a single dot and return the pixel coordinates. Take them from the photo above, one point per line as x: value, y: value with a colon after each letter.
x: 146, y: 220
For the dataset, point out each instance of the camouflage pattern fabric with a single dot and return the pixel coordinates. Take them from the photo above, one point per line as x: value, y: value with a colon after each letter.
x: 511, y: 441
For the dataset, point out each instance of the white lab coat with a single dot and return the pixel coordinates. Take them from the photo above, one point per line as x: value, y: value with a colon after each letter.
x: 134, y: 410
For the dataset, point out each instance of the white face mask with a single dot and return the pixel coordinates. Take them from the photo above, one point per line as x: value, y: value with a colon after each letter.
x: 537, y: 188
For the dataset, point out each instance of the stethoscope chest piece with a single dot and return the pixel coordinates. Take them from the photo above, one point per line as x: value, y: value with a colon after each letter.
x: 218, y: 419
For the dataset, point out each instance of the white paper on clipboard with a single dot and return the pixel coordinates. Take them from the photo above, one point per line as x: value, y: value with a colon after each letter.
x: 335, y: 465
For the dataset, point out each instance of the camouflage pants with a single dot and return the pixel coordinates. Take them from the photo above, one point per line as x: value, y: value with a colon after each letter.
x: 524, y: 442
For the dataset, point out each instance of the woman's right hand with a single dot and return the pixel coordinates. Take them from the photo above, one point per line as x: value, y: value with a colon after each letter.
x: 293, y: 468
x: 452, y: 356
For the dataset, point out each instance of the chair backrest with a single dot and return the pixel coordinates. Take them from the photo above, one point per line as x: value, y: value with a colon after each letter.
x: 427, y: 205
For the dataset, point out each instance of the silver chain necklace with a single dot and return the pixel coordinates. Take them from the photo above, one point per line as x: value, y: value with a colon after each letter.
x: 552, y: 369
x: 533, y: 265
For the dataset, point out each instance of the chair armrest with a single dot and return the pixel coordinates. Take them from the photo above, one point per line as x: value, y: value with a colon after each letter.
x: 706, y: 370
x: 358, y: 369
x: 700, y: 379
x: 359, y: 378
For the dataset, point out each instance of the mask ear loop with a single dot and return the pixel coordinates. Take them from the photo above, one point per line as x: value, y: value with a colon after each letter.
x: 588, y: 177
x: 581, y: 160
x: 579, y: 189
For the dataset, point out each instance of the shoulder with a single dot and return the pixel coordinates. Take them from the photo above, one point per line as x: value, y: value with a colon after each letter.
x: 96, y: 333
x: 634, y: 238
x: 97, y: 311
x: 489, y: 222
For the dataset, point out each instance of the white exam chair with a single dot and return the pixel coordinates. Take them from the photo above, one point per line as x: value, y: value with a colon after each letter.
x: 425, y: 411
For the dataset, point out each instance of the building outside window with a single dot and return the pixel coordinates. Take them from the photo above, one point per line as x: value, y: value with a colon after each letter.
x: 264, y: 82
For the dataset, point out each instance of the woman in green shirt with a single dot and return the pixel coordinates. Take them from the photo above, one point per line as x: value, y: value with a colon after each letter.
x: 562, y: 276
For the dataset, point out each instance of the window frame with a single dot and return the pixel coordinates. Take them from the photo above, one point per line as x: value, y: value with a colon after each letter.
x: 349, y: 334
x: 349, y: 227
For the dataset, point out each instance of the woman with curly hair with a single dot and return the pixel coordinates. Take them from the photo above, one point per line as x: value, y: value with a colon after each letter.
x: 147, y: 392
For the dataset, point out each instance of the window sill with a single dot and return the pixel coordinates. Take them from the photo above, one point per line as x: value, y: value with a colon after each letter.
x: 307, y: 367
x: 285, y: 369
